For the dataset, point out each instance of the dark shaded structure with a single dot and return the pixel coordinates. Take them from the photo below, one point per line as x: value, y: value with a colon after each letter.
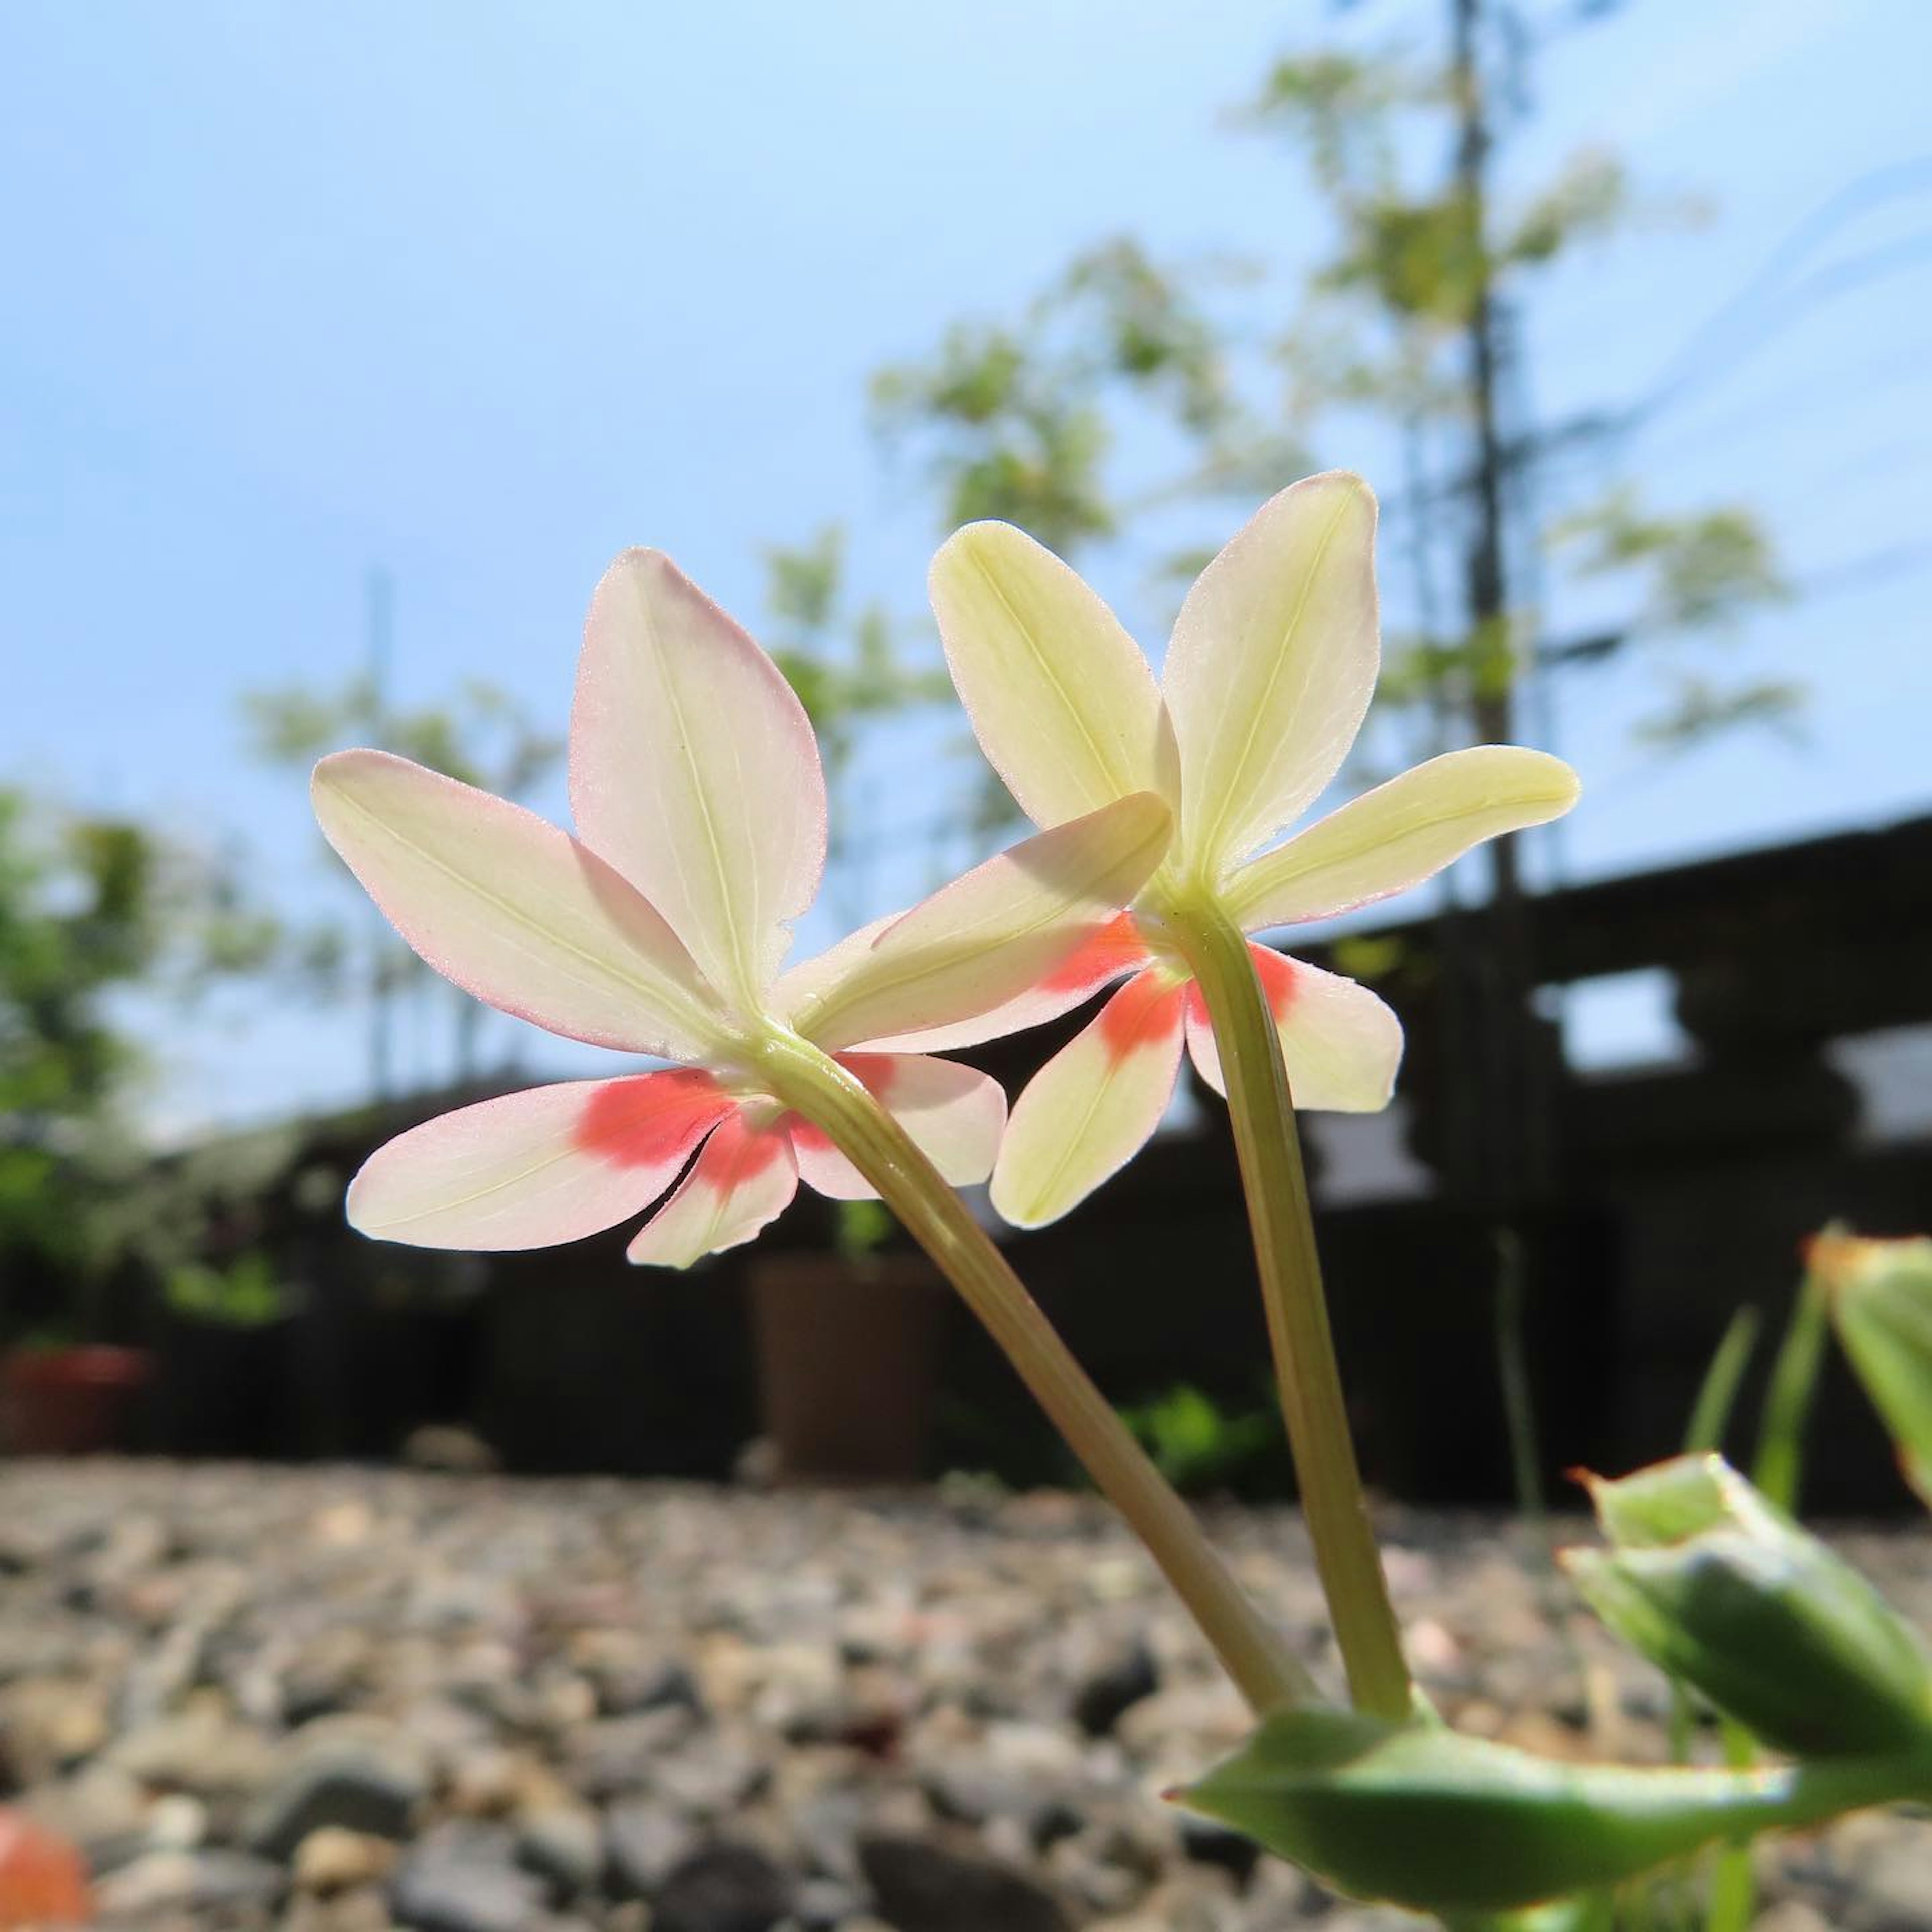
x: 1677, y: 1191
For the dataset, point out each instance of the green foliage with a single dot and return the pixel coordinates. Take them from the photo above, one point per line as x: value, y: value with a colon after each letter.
x: 248, y: 1293
x: 91, y: 908
x: 863, y: 1227
x: 1021, y: 418
x: 849, y: 667
x: 1197, y: 1444
x: 481, y: 736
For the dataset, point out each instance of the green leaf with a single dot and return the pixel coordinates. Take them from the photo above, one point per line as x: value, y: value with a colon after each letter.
x: 1728, y: 1595
x: 1417, y: 1816
x: 1880, y: 1295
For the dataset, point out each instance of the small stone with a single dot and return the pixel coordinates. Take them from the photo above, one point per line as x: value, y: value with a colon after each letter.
x: 463, y: 1878
x: 50, y: 1724
x: 921, y: 1886
x: 177, y: 1822
x: 1109, y: 1692
x: 200, y: 1749
x: 204, y: 1881
x: 1208, y: 1843
x: 333, y: 1859
x: 361, y: 1780
x: 364, y: 1909
x: 722, y: 1888
x: 563, y: 1844
x: 642, y: 1841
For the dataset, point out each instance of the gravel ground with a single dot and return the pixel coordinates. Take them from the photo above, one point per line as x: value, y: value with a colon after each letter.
x: 344, y: 1699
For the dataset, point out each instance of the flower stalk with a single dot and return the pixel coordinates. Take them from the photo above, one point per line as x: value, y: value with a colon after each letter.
x: 1266, y: 1673
x: 1262, y: 1110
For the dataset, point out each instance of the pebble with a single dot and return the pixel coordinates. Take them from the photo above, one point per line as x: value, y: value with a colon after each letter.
x: 349, y: 1700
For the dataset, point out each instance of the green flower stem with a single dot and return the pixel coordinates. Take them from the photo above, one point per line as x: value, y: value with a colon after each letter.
x: 1263, y: 1115
x: 816, y: 1086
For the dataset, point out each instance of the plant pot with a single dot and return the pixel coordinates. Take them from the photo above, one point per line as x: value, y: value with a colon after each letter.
x: 69, y: 1401
x: 846, y: 1351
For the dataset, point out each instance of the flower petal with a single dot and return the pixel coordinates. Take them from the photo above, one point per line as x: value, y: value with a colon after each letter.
x: 953, y: 1113
x: 930, y: 975
x: 529, y: 1170
x: 1271, y: 667
x: 694, y: 772
x: 1091, y: 1108
x: 745, y: 1177
x: 1401, y: 833
x: 512, y: 909
x: 1063, y: 704
x: 1341, y: 1042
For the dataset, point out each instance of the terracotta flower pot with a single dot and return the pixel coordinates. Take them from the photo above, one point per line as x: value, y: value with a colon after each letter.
x: 68, y: 1402
x: 846, y: 1354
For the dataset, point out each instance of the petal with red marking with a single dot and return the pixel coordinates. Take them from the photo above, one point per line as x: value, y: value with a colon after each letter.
x: 930, y: 976
x: 1340, y: 1042
x: 1092, y: 1107
x: 953, y: 1113
x: 746, y: 1177
x: 693, y: 770
x: 512, y: 909
x: 1399, y: 834
x: 532, y: 1169
x: 1272, y: 664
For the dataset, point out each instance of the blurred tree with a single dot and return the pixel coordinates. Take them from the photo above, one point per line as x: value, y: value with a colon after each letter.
x: 481, y: 736
x: 1128, y: 388
x: 92, y: 908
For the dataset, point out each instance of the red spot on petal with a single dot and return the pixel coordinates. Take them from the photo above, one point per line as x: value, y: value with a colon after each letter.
x: 42, y: 1878
x: 1144, y: 1009
x: 1117, y: 947
x: 737, y: 1151
x: 1280, y: 976
x: 652, y: 1120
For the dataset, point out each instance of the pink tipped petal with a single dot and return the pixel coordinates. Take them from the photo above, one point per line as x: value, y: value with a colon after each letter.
x: 513, y: 910
x: 931, y: 975
x: 1061, y: 698
x: 1271, y: 667
x: 1400, y: 834
x: 532, y: 1169
x: 1092, y: 1107
x: 1341, y: 1043
x: 952, y: 1113
x: 746, y: 1177
x: 693, y: 771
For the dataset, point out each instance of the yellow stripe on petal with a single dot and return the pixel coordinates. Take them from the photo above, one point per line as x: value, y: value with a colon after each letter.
x: 1063, y: 704
x: 1340, y: 1042
x: 1400, y: 834
x: 985, y: 940
x: 1092, y: 1107
x: 693, y: 770
x: 1272, y: 664
x: 512, y: 909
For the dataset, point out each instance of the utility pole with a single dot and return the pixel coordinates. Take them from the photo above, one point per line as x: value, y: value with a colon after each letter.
x: 1515, y: 1136
x: 379, y: 611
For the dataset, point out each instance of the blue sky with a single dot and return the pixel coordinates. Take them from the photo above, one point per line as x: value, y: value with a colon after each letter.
x: 484, y: 291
